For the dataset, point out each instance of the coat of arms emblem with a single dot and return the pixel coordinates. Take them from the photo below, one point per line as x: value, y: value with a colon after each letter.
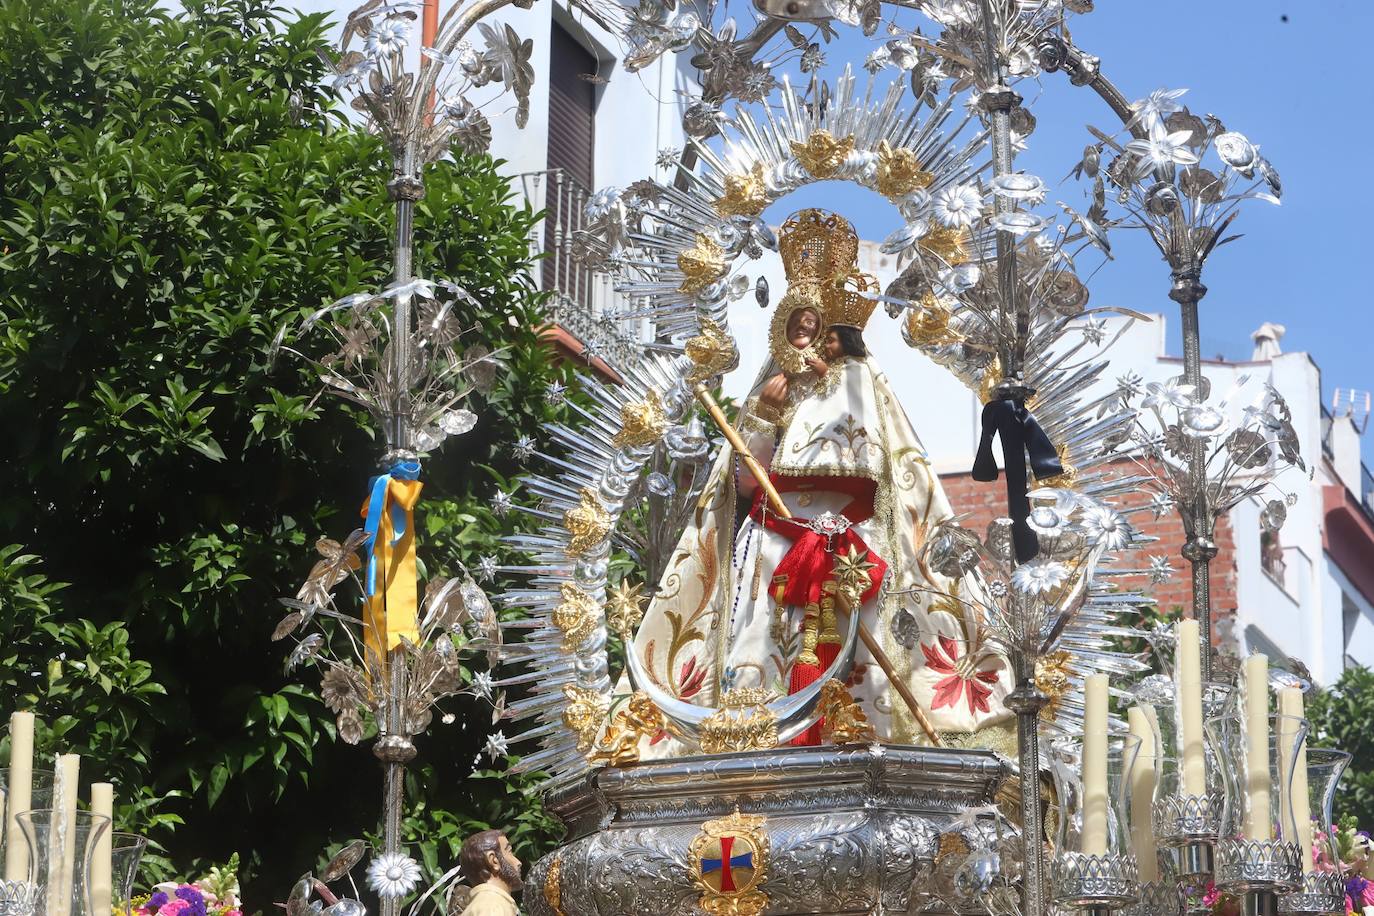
x: 728, y: 862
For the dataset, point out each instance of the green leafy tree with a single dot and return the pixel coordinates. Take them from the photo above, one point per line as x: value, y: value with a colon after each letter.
x: 176, y: 188
x: 1340, y: 717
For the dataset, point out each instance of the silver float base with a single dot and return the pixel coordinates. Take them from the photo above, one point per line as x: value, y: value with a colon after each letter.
x: 851, y: 830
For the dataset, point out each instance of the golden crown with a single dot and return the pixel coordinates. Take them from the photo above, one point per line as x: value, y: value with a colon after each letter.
x: 817, y: 246
x: 847, y: 300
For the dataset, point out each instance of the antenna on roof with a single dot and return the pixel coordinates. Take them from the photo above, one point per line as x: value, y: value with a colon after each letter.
x: 1352, y: 403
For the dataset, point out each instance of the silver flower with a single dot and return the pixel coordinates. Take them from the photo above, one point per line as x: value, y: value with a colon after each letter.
x: 1168, y: 394
x: 905, y: 630
x: 1160, y: 149
x: 1039, y: 577
x: 1106, y: 529
x: 498, y: 746
x: 523, y: 448
x: 1161, y: 570
x: 388, y: 37
x: 486, y: 568
x: 482, y: 685
x: 958, y: 206
x: 305, y: 650
x: 1237, y: 152
x: 667, y: 157
x: 603, y: 204
x: 556, y: 394
x: 1158, y: 105
x: 502, y: 503
x: 393, y: 875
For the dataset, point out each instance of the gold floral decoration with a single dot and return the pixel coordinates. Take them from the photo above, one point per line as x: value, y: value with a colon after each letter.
x: 745, y: 195
x: 1067, y: 480
x: 588, y: 522
x: 639, y: 719
x: 900, y: 172
x: 701, y: 265
x: 576, y: 615
x: 553, y: 886
x: 1052, y: 673
x: 728, y: 864
x: 712, y: 351
x: 950, y: 844
x: 744, y: 697
x: 821, y: 154
x: 928, y: 326
x: 625, y: 608
x: 642, y: 422
x: 584, y: 714
x: 992, y: 377
x: 844, y: 720
x: 728, y: 730
x: 949, y: 244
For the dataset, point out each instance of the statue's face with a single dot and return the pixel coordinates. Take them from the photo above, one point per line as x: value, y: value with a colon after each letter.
x: 503, y: 863
x: 802, y: 327
x: 832, y: 348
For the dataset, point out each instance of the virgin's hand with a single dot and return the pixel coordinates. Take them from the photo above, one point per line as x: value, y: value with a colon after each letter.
x: 774, y: 392
x: 818, y: 366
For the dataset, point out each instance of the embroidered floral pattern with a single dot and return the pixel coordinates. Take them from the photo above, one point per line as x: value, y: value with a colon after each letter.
x: 964, y: 681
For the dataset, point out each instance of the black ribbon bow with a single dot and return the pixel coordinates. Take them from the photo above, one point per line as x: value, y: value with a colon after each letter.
x: 1021, y: 434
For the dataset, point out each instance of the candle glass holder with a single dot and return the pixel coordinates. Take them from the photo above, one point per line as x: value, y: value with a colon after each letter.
x: 126, y: 851
x: 64, y: 880
x: 40, y: 796
x: 1186, y: 824
x: 1323, y: 883
x: 1258, y: 857
x: 19, y: 898
x: 1094, y: 868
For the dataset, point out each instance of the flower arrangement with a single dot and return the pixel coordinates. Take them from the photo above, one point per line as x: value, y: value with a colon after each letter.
x: 1353, y: 857
x: 216, y: 894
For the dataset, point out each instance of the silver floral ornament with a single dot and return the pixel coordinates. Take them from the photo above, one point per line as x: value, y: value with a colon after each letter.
x: 905, y: 630
x: 1204, y: 420
x: 959, y: 206
x: 1201, y: 185
x: 1161, y: 199
x: 393, y: 875
x: 1273, y: 516
x: 1161, y: 570
x: 390, y: 36
x: 1248, y: 448
x: 952, y: 550
x: 1039, y: 577
x: 660, y: 484
x: 1018, y: 222
x: 1020, y: 187
x: 498, y: 745
x: 1105, y: 528
x: 1237, y: 152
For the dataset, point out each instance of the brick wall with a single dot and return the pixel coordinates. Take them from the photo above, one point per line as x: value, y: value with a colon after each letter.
x: 982, y: 502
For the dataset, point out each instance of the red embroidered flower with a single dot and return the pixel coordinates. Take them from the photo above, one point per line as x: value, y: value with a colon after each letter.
x: 690, y: 678
x: 949, y: 690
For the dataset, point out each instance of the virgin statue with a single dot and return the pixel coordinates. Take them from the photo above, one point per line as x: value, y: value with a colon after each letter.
x: 746, y: 608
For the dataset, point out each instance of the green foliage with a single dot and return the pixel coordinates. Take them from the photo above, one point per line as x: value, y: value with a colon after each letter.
x: 1340, y: 717
x: 175, y: 190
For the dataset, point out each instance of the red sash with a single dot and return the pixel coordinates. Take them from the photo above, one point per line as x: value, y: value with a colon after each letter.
x: 810, y: 562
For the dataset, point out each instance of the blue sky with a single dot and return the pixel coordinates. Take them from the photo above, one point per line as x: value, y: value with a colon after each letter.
x: 1286, y: 73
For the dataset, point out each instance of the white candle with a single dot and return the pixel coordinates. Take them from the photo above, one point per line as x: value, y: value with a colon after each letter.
x: 1189, y: 664
x: 1095, y: 765
x: 102, y: 865
x: 21, y: 795
x: 1297, y: 811
x: 1258, y: 822
x: 1142, y: 791
x: 61, y: 871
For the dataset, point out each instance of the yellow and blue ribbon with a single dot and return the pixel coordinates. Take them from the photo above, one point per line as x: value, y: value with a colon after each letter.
x: 391, y: 574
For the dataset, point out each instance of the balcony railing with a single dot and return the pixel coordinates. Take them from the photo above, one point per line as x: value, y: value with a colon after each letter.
x: 584, y: 302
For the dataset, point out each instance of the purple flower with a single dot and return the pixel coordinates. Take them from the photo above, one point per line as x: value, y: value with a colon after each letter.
x: 156, y: 901
x: 193, y: 897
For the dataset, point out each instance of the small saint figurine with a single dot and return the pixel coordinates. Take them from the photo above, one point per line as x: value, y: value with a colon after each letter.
x: 489, y: 863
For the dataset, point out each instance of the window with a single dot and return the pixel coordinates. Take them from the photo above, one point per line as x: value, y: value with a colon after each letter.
x: 571, y: 153
x: 1271, y: 558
